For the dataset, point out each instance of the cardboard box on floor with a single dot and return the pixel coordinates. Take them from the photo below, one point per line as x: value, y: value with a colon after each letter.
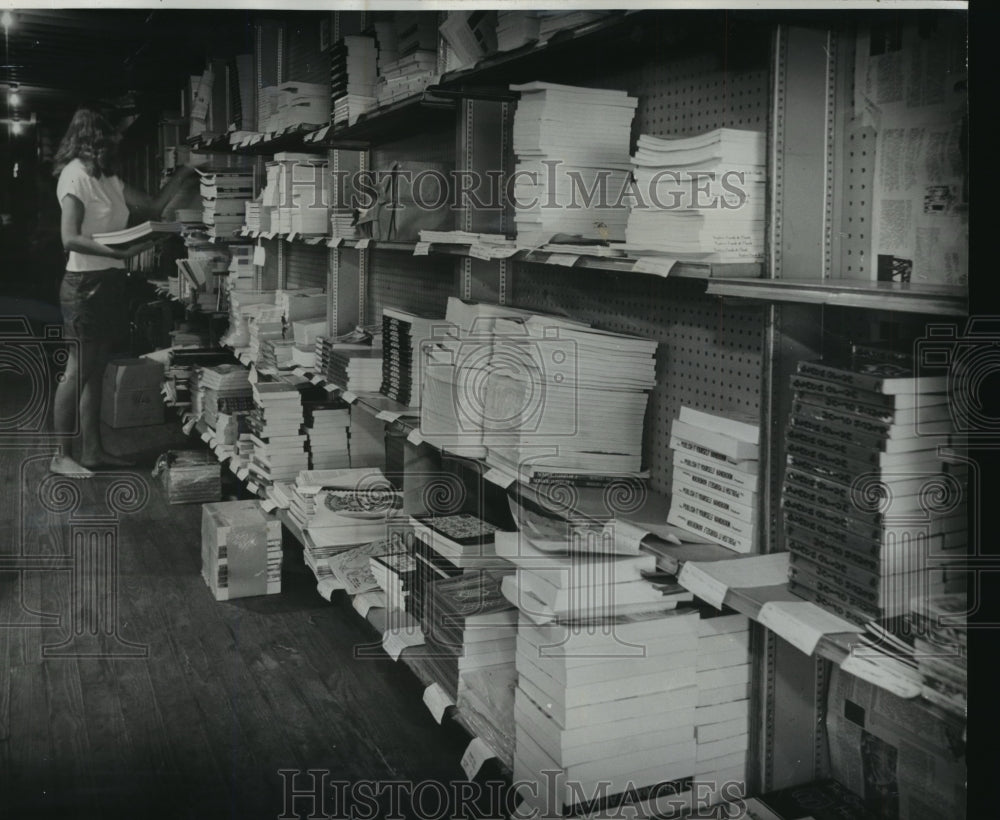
x: 131, y: 393
x: 906, y: 761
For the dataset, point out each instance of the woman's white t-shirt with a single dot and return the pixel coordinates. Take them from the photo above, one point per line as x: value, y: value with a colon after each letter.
x: 104, y: 209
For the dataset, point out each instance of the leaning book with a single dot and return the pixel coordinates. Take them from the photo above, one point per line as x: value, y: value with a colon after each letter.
x: 138, y: 233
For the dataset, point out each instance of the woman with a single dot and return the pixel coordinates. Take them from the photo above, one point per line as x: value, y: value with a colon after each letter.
x: 93, y: 199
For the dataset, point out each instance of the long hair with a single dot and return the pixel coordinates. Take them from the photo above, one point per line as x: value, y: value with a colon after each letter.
x: 91, y: 139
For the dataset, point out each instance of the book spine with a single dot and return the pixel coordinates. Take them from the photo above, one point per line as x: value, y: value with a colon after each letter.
x: 830, y: 597
x: 683, y: 445
x: 841, y: 392
x: 849, y: 422
x: 868, y: 590
x: 711, y: 501
x: 723, y: 473
x: 833, y: 498
x: 714, y: 533
x: 846, y: 378
x: 836, y: 558
x: 730, y: 522
x: 721, y: 489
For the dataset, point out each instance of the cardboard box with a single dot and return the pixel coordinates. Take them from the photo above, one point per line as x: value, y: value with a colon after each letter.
x: 131, y: 393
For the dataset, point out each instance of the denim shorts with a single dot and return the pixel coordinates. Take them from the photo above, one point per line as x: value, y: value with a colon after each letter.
x: 93, y: 303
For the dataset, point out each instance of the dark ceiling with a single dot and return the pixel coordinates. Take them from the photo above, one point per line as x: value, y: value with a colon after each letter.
x: 58, y: 58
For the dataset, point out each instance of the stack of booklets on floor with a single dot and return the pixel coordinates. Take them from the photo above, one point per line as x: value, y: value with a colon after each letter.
x: 223, y: 389
x: 468, y: 626
x: 587, y: 131
x: 714, y: 486
x: 279, y: 451
x: 862, y: 451
x: 516, y: 28
x: 224, y: 194
x: 402, y: 335
x: 561, y: 397
x: 700, y: 198
x: 339, y: 509
x: 353, y: 78
x: 941, y: 648
x: 326, y: 427
x: 240, y: 550
x: 354, y: 367
x: 190, y: 476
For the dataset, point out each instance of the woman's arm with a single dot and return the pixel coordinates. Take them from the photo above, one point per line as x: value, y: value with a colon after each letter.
x: 143, y: 203
x: 73, y: 240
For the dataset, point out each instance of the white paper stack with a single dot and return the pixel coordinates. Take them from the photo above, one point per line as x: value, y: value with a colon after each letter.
x: 299, y: 103
x: 702, y: 197
x: 265, y: 324
x: 327, y: 431
x: 223, y: 196
x: 353, y: 78
x: 604, y: 707
x: 516, y: 28
x: 586, y: 133
x: 406, y: 76
x: 714, y: 485
x: 301, y: 303
x: 276, y: 422
x: 342, y: 224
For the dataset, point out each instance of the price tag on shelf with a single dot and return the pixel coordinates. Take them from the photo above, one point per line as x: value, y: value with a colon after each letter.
x: 259, y: 255
x: 349, y: 397
x: 422, y: 249
x: 657, y: 265
x: 313, y: 240
x: 243, y: 474
x: 476, y: 754
x: 480, y: 252
x: 802, y: 623
x: 363, y: 243
x: 234, y: 468
x: 269, y: 235
x: 268, y: 506
x: 316, y: 379
x: 336, y: 242
x: 415, y: 437
x: 395, y: 641
x: 320, y: 135
x: 502, y: 251
x: 367, y: 601
x: 253, y: 487
x: 499, y: 477
x: 206, y: 437
x: 327, y: 586
x: 388, y: 415
x: 330, y: 388
x: 299, y: 371
x: 437, y: 701
x: 292, y: 236
x: 563, y: 259
x: 188, y: 427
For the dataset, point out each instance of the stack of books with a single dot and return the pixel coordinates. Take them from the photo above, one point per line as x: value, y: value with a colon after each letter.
x: 862, y: 449
x: 605, y: 710
x: 352, y: 569
x: 402, y: 335
x: 275, y: 355
x: 265, y: 323
x: 306, y: 333
x: 299, y: 103
x: 279, y: 451
x: 516, y: 29
x: 587, y: 132
x: 354, y: 367
x: 223, y: 196
x: 252, y: 215
x: 468, y: 626
x: 240, y: 550
x: 463, y: 540
x: 353, y: 78
x: 244, y: 305
x: 470, y: 35
x: 223, y: 389
x: 941, y: 648
x: 561, y: 397
x: 714, y: 486
x: 407, y: 60
x: 722, y: 713
x: 702, y: 197
x: 241, y: 269
x: 190, y: 476
x: 396, y: 574
x: 326, y: 427
x: 342, y: 224
x: 182, y: 368
x: 406, y: 76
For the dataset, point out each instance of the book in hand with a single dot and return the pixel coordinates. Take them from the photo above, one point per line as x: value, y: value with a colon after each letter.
x: 138, y: 234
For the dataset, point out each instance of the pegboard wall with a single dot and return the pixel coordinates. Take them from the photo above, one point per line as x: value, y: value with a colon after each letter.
x: 855, y: 224
x: 306, y: 265
x: 417, y: 284
x: 709, y: 356
x: 305, y: 62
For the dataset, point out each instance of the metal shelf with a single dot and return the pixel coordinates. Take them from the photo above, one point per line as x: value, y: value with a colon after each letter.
x: 949, y: 300
x: 409, y: 116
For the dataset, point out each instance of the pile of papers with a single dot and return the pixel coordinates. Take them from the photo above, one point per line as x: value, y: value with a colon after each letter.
x: 353, y: 78
x: 570, y: 141
x: 327, y: 430
x: 516, y: 28
x: 714, y: 485
x: 297, y: 103
x: 223, y: 196
x: 700, y: 198
x: 279, y: 451
x: 354, y: 367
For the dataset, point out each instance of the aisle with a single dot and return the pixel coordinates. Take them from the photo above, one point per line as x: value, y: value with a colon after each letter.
x: 228, y: 695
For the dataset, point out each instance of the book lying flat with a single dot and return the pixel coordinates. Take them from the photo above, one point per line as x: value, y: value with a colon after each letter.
x: 138, y: 233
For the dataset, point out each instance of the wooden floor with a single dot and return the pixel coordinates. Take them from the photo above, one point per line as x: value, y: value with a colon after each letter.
x: 229, y: 694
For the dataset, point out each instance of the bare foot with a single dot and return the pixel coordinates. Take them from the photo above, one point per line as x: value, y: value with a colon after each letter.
x: 107, y: 460
x: 64, y: 465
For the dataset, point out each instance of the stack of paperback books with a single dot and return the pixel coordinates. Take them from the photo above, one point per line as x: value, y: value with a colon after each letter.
x: 583, y: 134
x: 700, y: 198
x: 222, y: 389
x: 223, y: 197
x: 306, y: 333
x: 414, y: 65
x: 279, y: 451
x: 240, y: 550
x: 326, y: 427
x: 354, y: 367
x: 264, y: 323
x: 516, y: 28
x: 402, y: 335
x: 468, y: 626
x: 464, y: 540
x: 396, y: 573
x: 714, y: 488
x: 862, y: 457
x: 353, y: 78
